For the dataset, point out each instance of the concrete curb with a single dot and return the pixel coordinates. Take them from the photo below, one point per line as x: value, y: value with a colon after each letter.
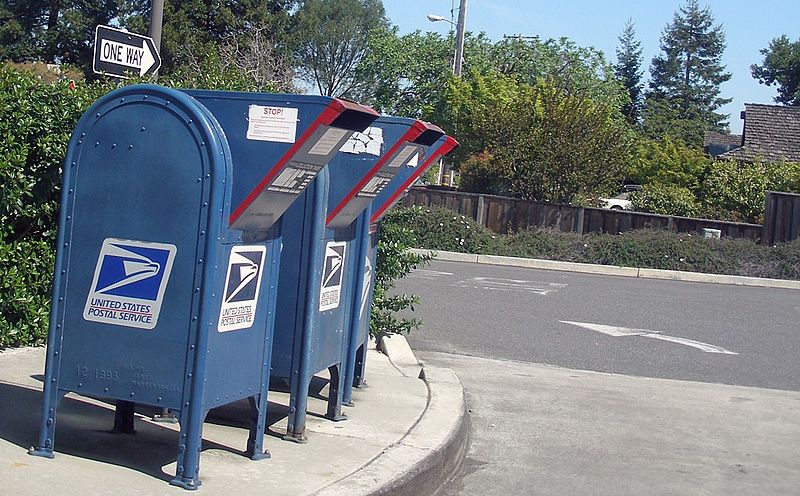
x: 611, y: 270
x: 432, y: 450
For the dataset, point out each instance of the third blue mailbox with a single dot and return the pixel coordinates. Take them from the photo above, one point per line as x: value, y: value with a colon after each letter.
x: 168, y: 247
x: 318, y: 269
x: 358, y: 325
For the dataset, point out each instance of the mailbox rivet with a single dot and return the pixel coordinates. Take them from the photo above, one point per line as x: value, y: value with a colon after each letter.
x: 199, y: 260
x: 98, y: 115
x: 199, y: 179
x: 74, y: 164
x: 80, y: 141
x: 130, y: 147
x: 186, y: 404
x: 191, y: 347
x: 145, y: 97
x: 133, y: 394
x: 143, y: 128
x: 189, y: 376
x: 60, y: 298
x: 80, y: 384
x: 113, y: 145
x: 158, y: 399
x: 202, y: 143
x: 69, y: 217
x: 55, y: 352
x: 182, y: 447
x: 64, y: 271
x: 190, y: 121
x: 83, y: 134
x: 52, y: 410
x: 105, y: 390
x: 121, y: 100
x: 66, y: 244
x: 53, y: 379
x: 208, y: 175
x: 194, y: 319
x: 202, y: 233
x: 196, y: 290
x: 96, y: 143
x: 71, y: 190
x: 166, y: 103
x: 49, y: 422
x: 205, y: 204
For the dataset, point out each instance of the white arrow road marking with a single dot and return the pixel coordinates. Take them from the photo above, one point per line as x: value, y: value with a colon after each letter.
x: 499, y: 284
x: 429, y: 274
x: 647, y: 333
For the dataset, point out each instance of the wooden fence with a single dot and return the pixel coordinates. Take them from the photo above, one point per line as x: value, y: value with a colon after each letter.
x: 503, y: 215
x: 781, y: 217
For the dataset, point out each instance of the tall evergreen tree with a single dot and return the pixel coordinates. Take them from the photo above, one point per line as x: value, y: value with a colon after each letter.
x: 629, y: 71
x: 782, y: 67
x: 685, y: 80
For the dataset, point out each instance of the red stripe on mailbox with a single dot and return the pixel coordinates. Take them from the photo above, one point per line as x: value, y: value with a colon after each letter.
x: 410, y: 135
x: 446, y: 147
x: 331, y: 112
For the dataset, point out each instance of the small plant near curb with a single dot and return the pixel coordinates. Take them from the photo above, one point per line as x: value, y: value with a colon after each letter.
x: 394, y: 261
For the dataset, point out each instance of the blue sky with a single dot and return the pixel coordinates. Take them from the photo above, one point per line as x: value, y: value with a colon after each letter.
x: 749, y: 26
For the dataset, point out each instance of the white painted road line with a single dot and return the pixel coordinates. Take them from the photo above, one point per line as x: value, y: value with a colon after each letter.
x: 429, y: 274
x: 647, y: 333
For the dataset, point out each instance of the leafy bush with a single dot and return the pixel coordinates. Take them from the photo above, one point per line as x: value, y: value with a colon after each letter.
x: 26, y: 272
x: 479, y: 174
x: 658, y: 249
x: 665, y: 199
x: 394, y: 261
x: 736, y: 191
x: 668, y: 162
x: 445, y: 230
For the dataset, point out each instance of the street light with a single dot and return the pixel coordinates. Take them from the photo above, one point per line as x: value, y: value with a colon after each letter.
x: 438, y: 18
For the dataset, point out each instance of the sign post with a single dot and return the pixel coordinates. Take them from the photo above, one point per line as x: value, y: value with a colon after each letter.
x: 121, y: 54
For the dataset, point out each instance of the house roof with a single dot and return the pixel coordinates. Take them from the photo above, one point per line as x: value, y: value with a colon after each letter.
x: 771, y: 133
x: 729, y: 140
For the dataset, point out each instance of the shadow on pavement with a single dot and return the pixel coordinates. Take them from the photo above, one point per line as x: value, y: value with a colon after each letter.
x: 84, y: 430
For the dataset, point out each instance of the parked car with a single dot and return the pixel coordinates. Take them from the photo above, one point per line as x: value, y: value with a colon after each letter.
x: 619, y: 202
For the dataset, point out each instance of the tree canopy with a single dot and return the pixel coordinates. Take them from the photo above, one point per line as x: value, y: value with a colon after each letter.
x: 781, y: 66
x: 629, y: 71
x: 684, y: 93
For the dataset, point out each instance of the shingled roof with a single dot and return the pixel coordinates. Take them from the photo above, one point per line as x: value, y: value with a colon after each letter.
x: 716, y: 144
x: 771, y: 133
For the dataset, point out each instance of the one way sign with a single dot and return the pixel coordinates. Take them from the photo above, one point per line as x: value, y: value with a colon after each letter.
x: 122, y: 54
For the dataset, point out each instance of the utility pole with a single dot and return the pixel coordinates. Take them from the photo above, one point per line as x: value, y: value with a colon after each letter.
x: 460, y: 28
x: 156, y: 17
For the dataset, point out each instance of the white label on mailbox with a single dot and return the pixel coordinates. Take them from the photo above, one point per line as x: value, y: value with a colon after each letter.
x: 329, y: 141
x: 332, y: 275
x: 277, y: 124
x: 242, y: 284
x: 129, y: 282
x: 365, y: 285
x: 403, y: 157
x: 370, y: 141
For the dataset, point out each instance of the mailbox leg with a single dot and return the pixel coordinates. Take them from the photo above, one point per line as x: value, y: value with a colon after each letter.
x: 258, y: 423
x: 47, y: 430
x: 189, y: 445
x: 123, y: 417
x: 361, y: 363
x: 298, y: 401
x: 335, y: 394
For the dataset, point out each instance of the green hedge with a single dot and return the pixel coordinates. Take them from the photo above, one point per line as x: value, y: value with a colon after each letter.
x: 442, y: 229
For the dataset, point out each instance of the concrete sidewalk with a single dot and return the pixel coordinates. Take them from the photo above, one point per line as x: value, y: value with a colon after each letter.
x: 405, y: 435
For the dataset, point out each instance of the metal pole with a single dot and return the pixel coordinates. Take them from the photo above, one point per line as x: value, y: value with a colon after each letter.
x: 462, y: 20
x: 156, y: 17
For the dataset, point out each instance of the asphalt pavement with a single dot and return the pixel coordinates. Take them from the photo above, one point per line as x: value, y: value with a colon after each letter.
x: 535, y: 316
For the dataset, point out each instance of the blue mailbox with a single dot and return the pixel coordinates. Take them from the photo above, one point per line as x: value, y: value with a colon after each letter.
x: 168, y: 257
x: 315, y: 286
x: 367, y: 251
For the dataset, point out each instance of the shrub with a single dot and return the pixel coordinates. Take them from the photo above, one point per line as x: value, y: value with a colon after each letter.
x: 394, y: 261
x: 26, y: 272
x: 646, y: 248
x: 443, y: 229
x: 665, y: 199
